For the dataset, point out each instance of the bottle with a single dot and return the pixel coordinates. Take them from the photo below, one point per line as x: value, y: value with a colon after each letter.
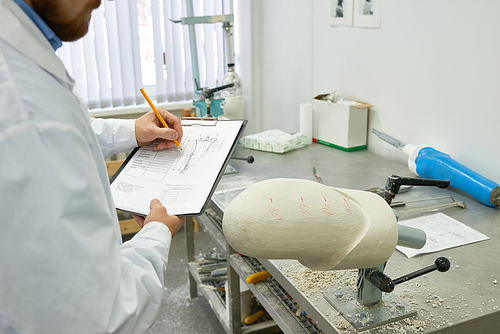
x: 231, y: 77
x: 233, y: 98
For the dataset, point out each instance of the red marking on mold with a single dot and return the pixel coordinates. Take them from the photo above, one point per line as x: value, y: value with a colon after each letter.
x: 303, y: 208
x: 347, y: 207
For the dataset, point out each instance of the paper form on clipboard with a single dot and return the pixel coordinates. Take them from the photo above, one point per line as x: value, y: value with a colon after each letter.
x: 183, y: 180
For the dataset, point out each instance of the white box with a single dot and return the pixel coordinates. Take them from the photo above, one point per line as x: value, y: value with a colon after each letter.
x: 339, y: 125
x: 275, y: 141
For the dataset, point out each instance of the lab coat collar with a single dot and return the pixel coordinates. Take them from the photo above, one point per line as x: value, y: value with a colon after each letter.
x: 19, y: 30
x: 54, y: 40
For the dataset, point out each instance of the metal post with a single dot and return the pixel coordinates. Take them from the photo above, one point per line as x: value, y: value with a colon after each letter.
x: 193, y: 289
x: 229, y: 41
x: 368, y: 294
x: 234, y: 303
x: 192, y: 44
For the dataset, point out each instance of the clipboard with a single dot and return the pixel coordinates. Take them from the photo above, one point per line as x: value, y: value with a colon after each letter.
x: 201, y: 121
x: 183, y: 181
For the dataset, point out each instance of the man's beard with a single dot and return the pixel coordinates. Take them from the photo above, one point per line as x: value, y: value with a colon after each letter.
x: 66, y: 31
x: 70, y: 32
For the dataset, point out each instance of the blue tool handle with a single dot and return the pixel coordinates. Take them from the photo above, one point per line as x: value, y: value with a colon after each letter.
x: 433, y: 164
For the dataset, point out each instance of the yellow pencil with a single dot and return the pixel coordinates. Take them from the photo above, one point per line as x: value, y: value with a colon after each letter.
x: 158, y: 115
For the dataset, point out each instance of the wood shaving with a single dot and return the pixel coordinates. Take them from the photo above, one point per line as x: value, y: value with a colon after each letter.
x: 312, y: 281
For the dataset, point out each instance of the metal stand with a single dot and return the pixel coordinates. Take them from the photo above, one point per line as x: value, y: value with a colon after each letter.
x: 391, y: 308
x: 372, y: 305
x: 193, y: 288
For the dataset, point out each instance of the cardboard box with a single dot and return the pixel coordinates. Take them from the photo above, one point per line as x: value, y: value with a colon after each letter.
x: 339, y: 125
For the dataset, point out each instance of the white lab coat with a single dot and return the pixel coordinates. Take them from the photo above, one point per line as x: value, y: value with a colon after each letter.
x: 62, y: 266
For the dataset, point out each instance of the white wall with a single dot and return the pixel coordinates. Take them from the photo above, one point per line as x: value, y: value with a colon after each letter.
x: 432, y: 72
x: 280, y: 46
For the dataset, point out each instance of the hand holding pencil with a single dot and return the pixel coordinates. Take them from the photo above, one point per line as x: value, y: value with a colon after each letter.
x: 149, y: 130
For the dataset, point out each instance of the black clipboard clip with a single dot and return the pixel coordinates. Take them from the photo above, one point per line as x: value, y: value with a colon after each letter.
x: 202, y: 121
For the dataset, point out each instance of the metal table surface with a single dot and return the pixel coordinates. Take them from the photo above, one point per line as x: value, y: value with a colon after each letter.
x: 465, y: 297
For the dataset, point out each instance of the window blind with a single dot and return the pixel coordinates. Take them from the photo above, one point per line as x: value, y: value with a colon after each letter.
x: 132, y: 44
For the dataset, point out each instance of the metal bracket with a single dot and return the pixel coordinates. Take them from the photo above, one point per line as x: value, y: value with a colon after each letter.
x: 369, y: 307
x: 205, y: 19
x: 391, y: 308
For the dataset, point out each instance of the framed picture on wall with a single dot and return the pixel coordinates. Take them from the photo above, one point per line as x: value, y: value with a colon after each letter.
x: 366, y: 13
x: 341, y: 13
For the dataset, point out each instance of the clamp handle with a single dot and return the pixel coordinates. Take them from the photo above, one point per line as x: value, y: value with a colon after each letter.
x: 248, y: 159
x: 394, y: 183
x: 441, y: 264
x: 385, y: 284
x: 208, y: 93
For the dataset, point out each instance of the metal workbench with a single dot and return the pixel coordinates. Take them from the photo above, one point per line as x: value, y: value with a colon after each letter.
x: 463, y: 300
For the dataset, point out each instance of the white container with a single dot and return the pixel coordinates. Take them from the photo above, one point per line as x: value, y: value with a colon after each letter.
x: 306, y: 120
x: 340, y: 125
x: 275, y: 141
x: 245, y: 300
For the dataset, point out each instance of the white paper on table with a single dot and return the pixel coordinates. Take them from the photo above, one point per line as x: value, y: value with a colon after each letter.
x: 182, y: 181
x: 443, y: 232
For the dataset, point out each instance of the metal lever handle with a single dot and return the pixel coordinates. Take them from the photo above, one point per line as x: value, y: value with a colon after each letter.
x: 384, y: 283
x: 394, y: 183
x: 208, y: 93
x: 248, y: 159
x: 441, y: 264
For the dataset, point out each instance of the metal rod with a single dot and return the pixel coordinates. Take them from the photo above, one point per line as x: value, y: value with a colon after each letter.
x: 385, y: 137
x: 441, y: 264
x: 393, y: 204
x: 192, y: 43
x: 248, y: 159
x: 411, y: 237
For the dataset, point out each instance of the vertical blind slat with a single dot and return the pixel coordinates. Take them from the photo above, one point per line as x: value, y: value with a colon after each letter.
x: 79, y: 68
x: 114, y: 53
x: 102, y: 66
x: 106, y: 63
x: 169, y: 49
x: 91, y: 69
x: 158, y: 51
x: 136, y: 54
x: 125, y: 47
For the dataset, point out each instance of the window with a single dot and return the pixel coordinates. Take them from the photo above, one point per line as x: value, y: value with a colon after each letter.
x: 133, y: 44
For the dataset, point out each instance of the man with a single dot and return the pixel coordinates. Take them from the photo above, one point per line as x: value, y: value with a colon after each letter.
x: 62, y: 266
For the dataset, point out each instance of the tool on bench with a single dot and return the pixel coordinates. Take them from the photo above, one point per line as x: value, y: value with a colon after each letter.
x: 254, y: 317
x: 422, y: 205
x: 429, y: 163
x: 257, y: 277
x: 320, y: 180
x: 367, y: 307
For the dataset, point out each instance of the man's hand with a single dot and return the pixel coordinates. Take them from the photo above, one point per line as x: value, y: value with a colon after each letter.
x: 159, y: 213
x: 148, y: 129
